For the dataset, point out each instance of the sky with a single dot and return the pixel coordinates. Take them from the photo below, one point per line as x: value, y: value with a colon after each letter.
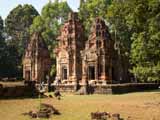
x: 7, y: 5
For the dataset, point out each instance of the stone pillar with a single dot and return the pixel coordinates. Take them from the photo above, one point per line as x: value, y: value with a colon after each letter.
x: 74, y: 68
x: 24, y: 71
x: 84, y: 72
x: 68, y: 70
x: 74, y: 79
x: 84, y: 76
x: 110, y: 71
x: 103, y: 76
x: 96, y: 70
x: 58, y: 70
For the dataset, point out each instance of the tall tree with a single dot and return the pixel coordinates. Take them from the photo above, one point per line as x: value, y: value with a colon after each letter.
x: 53, y: 15
x: 7, y: 57
x: 2, y: 48
x: 1, y: 28
x: 17, y: 25
x: 117, y: 18
x: 135, y: 25
x: 120, y: 32
x: 145, y: 52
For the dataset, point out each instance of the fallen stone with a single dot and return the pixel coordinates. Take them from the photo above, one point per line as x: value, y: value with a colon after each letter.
x: 57, y: 94
x: 115, y: 116
x: 99, y: 115
x: 45, y: 111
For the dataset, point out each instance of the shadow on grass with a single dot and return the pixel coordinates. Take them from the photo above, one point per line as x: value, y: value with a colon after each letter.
x: 157, y: 91
x: 22, y: 97
x: 36, y: 96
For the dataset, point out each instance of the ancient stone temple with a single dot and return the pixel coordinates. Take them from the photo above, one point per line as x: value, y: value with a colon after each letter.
x: 70, y: 43
x: 87, y: 63
x: 36, y: 60
x: 97, y: 55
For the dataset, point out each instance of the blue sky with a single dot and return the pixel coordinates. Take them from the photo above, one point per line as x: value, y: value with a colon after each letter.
x: 7, y: 5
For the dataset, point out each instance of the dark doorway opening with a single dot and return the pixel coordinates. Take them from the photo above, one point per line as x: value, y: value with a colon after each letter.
x: 91, y: 72
x: 64, y: 75
x: 45, y: 76
x: 100, y: 70
x: 27, y: 76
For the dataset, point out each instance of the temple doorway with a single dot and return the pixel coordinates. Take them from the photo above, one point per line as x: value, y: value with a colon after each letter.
x: 91, y: 72
x: 27, y: 76
x: 64, y: 73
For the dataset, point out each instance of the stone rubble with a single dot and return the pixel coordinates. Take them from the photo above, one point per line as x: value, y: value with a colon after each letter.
x: 45, y: 111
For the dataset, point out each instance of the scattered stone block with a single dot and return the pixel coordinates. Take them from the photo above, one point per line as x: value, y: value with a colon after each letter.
x: 45, y: 112
x: 116, y: 116
x: 57, y: 94
x: 105, y: 116
x: 99, y: 115
x: 50, y: 96
x: 50, y: 108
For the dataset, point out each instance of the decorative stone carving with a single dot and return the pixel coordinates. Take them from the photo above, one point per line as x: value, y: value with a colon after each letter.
x: 70, y: 43
x: 98, y: 60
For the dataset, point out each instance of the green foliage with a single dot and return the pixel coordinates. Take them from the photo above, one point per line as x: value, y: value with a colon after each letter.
x: 135, y: 27
x: 117, y: 15
x: 17, y: 34
x: 90, y: 9
x: 53, y: 15
x: 8, y: 56
x: 17, y: 25
x: 145, y: 52
x: 2, y: 48
x: 1, y: 25
x: 147, y: 73
x: 37, y: 25
x: 53, y: 70
x: 11, y: 62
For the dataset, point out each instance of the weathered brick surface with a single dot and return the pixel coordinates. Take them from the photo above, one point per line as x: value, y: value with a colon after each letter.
x: 36, y: 60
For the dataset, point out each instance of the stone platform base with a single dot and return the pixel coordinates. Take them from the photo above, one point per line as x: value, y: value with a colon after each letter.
x: 106, y: 89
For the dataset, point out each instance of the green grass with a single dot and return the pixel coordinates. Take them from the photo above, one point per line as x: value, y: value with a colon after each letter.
x: 139, y: 106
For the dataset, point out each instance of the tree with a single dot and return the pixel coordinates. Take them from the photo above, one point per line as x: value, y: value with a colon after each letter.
x: 53, y: 15
x: 134, y: 26
x: 117, y: 14
x: 17, y: 25
x: 90, y: 9
x: 117, y: 19
x: 2, y: 48
x: 7, y: 62
x: 145, y: 52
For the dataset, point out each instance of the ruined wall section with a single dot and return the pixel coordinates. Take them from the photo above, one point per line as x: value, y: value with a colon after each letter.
x: 36, y: 60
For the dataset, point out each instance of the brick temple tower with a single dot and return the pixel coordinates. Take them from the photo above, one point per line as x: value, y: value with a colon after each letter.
x: 97, y: 56
x: 70, y: 43
x: 36, y: 60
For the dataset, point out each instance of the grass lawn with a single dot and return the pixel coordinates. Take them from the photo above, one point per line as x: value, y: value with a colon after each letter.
x: 137, y: 106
